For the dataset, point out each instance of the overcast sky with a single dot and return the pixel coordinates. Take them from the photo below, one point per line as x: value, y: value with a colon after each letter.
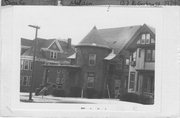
x: 76, y: 22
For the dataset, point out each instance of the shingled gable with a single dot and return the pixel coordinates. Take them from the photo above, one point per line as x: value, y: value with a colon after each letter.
x: 93, y: 39
x: 143, y: 28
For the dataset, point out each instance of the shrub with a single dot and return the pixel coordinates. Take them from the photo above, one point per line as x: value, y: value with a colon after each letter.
x: 92, y: 93
x: 58, y: 92
x: 75, y: 92
x: 131, y: 97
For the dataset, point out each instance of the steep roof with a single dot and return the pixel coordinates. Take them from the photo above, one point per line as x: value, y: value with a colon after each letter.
x: 93, y: 38
x: 115, y: 38
x: 118, y: 37
x: 26, y: 42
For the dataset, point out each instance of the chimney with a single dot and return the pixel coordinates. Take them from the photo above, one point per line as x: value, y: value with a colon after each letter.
x: 69, y: 43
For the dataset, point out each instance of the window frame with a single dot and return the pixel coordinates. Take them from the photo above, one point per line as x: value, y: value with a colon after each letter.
x: 134, y: 82
x: 24, y: 64
x: 28, y: 80
x: 151, y: 55
x: 92, y: 57
x: 92, y: 76
x: 53, y: 54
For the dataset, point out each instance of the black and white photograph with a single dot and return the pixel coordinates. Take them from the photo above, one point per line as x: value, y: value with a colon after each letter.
x: 89, y: 61
x: 96, y: 60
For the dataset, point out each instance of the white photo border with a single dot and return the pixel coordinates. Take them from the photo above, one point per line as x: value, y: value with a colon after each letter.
x: 10, y: 74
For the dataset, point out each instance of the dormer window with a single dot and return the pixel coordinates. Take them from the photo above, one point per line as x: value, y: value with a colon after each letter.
x: 53, y: 54
x: 145, y: 39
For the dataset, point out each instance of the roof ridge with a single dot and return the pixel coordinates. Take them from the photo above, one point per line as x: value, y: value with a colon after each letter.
x: 120, y: 27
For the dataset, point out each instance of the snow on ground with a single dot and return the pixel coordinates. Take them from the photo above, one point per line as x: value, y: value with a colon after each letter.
x: 51, y: 99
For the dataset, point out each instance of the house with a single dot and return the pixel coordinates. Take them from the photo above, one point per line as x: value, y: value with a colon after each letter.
x: 102, y: 64
x: 142, y: 63
x: 48, y: 51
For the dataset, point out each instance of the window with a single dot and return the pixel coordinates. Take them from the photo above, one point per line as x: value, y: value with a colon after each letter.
x: 147, y: 38
x: 148, y: 84
x: 150, y: 55
x: 92, y: 59
x: 132, y: 81
x: 133, y: 59
x: 26, y: 81
x: 53, y: 54
x: 143, y: 37
x: 127, y: 62
x: 90, y: 80
x: 26, y: 65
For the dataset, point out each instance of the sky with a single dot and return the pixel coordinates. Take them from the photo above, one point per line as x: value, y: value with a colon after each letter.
x: 76, y: 22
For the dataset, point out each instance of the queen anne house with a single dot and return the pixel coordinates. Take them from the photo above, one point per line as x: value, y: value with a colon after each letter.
x: 104, y: 64
x: 48, y: 51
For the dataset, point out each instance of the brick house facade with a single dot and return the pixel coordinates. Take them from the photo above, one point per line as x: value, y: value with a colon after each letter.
x: 102, y: 63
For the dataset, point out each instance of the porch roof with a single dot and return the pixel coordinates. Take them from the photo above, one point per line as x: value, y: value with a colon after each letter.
x: 110, y: 56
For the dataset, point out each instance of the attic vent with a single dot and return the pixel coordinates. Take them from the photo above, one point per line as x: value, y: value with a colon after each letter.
x: 94, y: 44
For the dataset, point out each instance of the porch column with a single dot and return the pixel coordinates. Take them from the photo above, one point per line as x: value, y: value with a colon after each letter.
x: 45, y: 75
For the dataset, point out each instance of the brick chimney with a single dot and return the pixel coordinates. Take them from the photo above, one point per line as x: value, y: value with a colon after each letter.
x: 69, y: 43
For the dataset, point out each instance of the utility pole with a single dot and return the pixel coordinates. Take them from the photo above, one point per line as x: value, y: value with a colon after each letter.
x: 34, y: 55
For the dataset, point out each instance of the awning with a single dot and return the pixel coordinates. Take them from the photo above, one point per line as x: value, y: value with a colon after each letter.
x: 72, y: 56
x: 110, y: 56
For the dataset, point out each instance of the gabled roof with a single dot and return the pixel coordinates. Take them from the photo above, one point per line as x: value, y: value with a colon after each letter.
x: 44, y: 44
x: 93, y: 38
x: 26, y: 42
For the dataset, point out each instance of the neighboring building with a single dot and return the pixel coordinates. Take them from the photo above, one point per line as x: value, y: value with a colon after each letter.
x: 100, y: 66
x: 142, y: 63
x: 48, y: 51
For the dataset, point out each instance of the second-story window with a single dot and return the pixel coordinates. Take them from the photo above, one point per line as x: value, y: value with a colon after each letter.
x: 150, y: 55
x: 53, y: 54
x: 133, y: 58
x: 26, y: 64
x: 92, y: 59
